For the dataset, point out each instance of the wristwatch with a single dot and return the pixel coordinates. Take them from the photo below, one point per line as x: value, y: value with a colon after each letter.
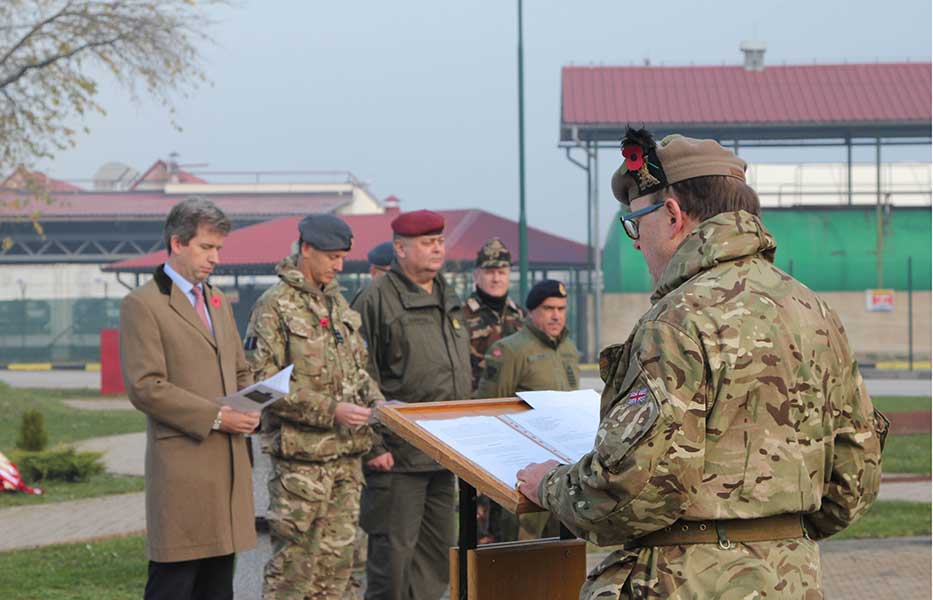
x: 217, y: 421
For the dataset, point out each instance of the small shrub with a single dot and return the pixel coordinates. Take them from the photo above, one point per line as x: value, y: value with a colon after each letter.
x: 32, y: 435
x: 63, y: 463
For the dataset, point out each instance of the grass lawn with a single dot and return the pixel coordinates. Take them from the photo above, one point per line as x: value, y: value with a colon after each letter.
x: 63, y: 424
x: 890, y: 518
x: 109, y: 570
x: 892, y: 404
x: 60, y: 491
x: 907, y: 454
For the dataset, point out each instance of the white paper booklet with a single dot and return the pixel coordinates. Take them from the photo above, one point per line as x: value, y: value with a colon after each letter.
x: 561, y: 426
x: 261, y: 394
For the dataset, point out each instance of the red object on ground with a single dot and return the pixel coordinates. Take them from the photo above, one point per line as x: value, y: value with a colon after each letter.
x: 111, y: 378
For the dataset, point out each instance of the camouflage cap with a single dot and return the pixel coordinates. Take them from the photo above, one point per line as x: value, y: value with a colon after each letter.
x: 493, y: 254
x: 649, y: 166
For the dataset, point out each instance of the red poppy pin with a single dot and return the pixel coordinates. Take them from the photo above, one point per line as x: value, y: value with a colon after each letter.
x: 215, y: 301
x: 324, y: 321
x: 634, y: 156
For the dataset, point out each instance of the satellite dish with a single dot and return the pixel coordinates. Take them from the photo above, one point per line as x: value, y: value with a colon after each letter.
x: 114, y: 176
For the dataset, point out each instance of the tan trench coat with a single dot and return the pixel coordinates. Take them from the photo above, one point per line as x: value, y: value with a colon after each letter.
x: 199, y: 500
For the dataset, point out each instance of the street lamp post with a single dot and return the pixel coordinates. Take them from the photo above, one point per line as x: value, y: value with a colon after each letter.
x: 522, y: 224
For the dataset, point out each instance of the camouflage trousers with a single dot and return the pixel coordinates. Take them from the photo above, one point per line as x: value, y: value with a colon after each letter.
x: 355, y: 589
x: 313, y: 513
x: 781, y: 569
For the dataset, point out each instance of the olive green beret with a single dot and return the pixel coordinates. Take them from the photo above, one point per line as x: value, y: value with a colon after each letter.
x: 650, y: 166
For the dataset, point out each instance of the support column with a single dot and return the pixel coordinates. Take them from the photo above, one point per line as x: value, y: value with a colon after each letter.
x: 849, y: 167
x: 879, y: 218
x: 597, y: 259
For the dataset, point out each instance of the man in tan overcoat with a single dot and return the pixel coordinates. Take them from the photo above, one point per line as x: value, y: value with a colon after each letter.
x: 180, y: 352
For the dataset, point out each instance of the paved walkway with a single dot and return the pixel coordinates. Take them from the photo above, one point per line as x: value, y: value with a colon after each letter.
x: 75, y: 521
x: 123, y: 454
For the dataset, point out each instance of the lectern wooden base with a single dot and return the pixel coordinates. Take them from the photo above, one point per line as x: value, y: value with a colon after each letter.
x: 551, y: 569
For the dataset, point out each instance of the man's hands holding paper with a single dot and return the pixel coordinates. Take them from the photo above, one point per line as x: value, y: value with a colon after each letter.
x: 236, y: 421
x: 530, y: 477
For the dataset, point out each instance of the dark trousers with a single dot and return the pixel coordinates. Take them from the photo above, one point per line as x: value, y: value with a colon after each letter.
x: 200, y: 579
x: 410, y: 521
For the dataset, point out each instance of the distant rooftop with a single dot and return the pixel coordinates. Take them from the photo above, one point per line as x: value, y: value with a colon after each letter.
x: 764, y: 101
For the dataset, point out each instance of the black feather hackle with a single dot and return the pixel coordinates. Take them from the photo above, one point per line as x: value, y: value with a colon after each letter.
x: 642, y: 137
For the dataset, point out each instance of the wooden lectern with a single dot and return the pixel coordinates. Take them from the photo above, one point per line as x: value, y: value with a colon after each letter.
x: 551, y: 569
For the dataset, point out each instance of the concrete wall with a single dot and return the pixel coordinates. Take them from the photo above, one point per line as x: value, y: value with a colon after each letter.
x: 873, y: 335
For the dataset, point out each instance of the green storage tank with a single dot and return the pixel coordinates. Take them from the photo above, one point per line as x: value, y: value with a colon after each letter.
x: 828, y: 248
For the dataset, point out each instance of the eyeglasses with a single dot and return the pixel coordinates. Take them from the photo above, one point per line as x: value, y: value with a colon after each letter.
x: 630, y: 221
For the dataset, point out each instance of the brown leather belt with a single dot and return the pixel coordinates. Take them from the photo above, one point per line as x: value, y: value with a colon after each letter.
x: 724, y: 532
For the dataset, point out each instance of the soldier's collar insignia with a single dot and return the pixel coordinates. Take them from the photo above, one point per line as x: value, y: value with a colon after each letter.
x: 641, y: 161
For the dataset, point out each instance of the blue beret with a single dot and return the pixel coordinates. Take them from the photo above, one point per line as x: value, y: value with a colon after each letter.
x: 382, y: 255
x: 326, y: 233
x: 549, y: 288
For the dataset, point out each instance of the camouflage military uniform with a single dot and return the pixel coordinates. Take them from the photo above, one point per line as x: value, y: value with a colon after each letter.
x: 487, y: 327
x: 315, y: 486
x: 736, y: 397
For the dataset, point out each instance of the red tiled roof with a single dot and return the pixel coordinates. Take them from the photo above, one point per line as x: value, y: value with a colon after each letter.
x: 466, y: 230
x: 147, y: 205
x: 17, y: 181
x: 793, y: 94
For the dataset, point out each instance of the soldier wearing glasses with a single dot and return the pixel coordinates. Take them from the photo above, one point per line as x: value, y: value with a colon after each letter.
x: 736, y: 429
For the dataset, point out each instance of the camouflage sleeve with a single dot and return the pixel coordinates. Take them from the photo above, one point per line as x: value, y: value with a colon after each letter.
x: 855, y: 477
x: 649, y: 447
x: 501, y: 374
x: 265, y: 347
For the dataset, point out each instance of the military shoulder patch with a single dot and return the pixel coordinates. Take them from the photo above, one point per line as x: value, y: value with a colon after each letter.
x: 637, y: 397
x: 250, y: 343
x: 496, y: 352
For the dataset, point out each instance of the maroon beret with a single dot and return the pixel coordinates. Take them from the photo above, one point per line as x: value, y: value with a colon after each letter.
x: 418, y: 222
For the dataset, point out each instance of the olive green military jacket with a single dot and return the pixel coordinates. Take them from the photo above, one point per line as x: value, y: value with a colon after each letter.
x: 488, y: 326
x: 296, y: 322
x: 736, y: 397
x: 418, y: 348
x: 530, y: 360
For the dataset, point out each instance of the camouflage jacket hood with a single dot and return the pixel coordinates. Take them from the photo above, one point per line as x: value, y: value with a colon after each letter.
x: 288, y: 271
x: 723, y: 238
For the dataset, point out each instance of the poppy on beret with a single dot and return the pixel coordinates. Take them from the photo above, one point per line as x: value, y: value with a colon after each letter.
x: 418, y: 222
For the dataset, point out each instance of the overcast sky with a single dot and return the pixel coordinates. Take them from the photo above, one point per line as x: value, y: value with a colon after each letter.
x: 419, y: 99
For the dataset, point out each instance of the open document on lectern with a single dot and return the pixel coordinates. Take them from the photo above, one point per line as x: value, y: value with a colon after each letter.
x: 261, y: 394
x: 561, y: 426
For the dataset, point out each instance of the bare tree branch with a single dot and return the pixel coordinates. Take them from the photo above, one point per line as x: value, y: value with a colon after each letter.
x: 52, y: 53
